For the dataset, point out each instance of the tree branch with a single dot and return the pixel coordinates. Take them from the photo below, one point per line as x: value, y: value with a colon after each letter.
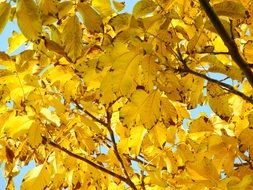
x: 227, y: 87
x: 89, y: 114
x: 57, y: 146
x: 116, y: 151
x: 108, y: 126
x: 228, y: 41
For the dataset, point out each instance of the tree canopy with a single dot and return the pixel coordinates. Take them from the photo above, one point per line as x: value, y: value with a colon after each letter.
x: 99, y: 97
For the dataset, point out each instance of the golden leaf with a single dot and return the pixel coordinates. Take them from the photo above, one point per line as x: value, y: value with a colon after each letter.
x: 72, y: 38
x: 15, y: 41
x: 143, y: 109
x: 17, y: 126
x: 248, y: 51
x: 34, y: 135
x: 91, y: 18
x: 103, y: 6
x: 119, y: 5
x: 124, y: 71
x: 38, y: 177
x: 5, y: 10
x: 28, y: 18
x: 144, y: 7
x: 229, y: 8
x: 137, y: 134
x: 52, y: 117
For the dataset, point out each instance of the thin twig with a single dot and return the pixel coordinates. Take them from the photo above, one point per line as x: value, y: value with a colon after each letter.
x: 213, y: 52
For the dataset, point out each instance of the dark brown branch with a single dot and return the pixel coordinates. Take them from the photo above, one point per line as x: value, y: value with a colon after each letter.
x: 227, y: 87
x: 228, y: 41
x: 213, y: 53
x: 108, y: 126
x: 222, y: 84
x: 89, y: 114
x: 57, y: 146
x: 116, y: 151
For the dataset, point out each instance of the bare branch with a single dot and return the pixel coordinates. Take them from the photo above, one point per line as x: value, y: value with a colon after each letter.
x: 228, y: 41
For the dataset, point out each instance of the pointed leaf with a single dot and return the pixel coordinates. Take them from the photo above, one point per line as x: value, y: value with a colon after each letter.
x: 144, y: 7
x: 72, y: 38
x: 5, y: 10
x: 28, y: 18
x: 91, y: 18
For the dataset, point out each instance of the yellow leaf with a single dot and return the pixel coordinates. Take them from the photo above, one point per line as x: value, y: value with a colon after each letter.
x: 103, y: 6
x: 119, y: 5
x: 216, y: 97
x: 217, y: 66
x: 34, y: 135
x: 142, y: 109
x: 192, y: 87
x: 135, y: 140
x: 201, y: 124
x: 158, y: 134
x: 202, y: 169
x: 28, y: 18
x: 52, y: 117
x: 248, y: 51
x: 143, y: 7
x: 91, y: 18
x: 171, y: 84
x: 5, y: 10
x: 59, y: 73
x: 38, y: 177
x: 168, y: 111
x: 72, y: 38
x: 15, y: 41
x: 243, y: 184
x: 124, y: 71
x: 229, y: 8
x: 16, y: 126
x: 64, y: 8
x: 120, y: 22
x: 48, y: 6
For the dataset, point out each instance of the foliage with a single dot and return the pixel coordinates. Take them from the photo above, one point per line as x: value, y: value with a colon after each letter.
x: 99, y: 97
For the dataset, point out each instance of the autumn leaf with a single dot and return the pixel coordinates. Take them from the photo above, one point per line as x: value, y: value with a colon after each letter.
x: 143, y: 7
x: 4, y: 14
x: 100, y: 97
x: 72, y: 38
x: 28, y: 19
x: 91, y: 18
x: 37, y: 177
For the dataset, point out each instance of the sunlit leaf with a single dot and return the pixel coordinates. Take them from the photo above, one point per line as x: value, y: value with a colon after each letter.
x: 143, y: 7
x: 91, y: 18
x: 38, y: 177
x: 5, y: 10
x: 28, y: 18
x: 52, y: 117
x: 72, y: 38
